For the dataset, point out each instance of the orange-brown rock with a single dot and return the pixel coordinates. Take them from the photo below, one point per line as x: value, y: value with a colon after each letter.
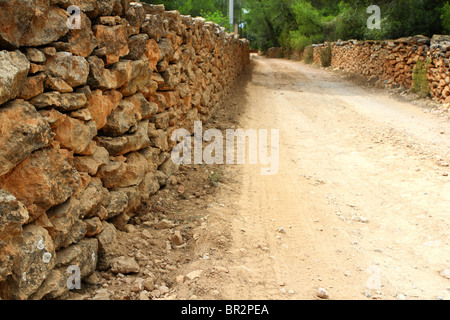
x: 44, y: 179
x: 153, y: 54
x: 30, y: 23
x: 73, y: 69
x: 80, y: 42
x: 13, y: 215
x: 22, y: 131
x: 14, y: 68
x: 112, y: 42
x: 35, y: 261
x: 72, y: 134
x: 100, y: 107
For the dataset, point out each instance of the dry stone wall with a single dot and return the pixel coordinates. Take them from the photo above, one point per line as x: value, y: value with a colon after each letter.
x: 393, y: 61
x: 86, y: 117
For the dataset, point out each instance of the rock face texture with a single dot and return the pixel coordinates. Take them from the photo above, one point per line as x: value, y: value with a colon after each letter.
x: 86, y: 117
x: 393, y: 61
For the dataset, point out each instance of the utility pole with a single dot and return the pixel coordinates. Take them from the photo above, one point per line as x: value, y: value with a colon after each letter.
x: 231, y: 11
x: 231, y: 14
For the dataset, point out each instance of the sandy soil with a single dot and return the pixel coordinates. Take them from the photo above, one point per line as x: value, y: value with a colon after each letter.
x: 360, y: 206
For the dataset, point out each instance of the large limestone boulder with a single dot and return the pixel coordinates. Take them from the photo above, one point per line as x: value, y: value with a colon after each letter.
x: 74, y: 70
x: 125, y: 172
x: 23, y: 130
x: 30, y: 23
x: 14, y: 67
x: 13, y: 215
x: 112, y: 42
x: 82, y: 255
x: 62, y: 220
x: 140, y: 76
x: 72, y: 134
x: 80, y: 42
x: 128, y: 142
x: 99, y: 77
x: 109, y: 247
x: 121, y: 119
x: 35, y: 261
x: 43, y: 180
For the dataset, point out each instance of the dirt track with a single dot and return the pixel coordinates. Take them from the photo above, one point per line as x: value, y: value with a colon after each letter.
x: 362, y: 193
x: 362, y: 196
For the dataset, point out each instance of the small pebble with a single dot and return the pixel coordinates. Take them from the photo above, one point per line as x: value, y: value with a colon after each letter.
x: 401, y: 297
x: 322, y: 293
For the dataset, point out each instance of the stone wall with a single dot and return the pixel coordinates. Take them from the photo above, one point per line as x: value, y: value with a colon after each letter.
x: 393, y: 61
x: 86, y: 117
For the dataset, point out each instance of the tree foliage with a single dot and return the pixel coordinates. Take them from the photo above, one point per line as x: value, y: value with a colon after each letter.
x: 211, y: 10
x: 295, y: 24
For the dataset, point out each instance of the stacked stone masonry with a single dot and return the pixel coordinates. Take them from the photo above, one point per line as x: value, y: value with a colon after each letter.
x: 86, y: 117
x: 393, y: 61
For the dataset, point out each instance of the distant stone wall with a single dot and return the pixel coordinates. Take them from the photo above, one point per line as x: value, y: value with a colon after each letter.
x: 86, y: 117
x: 393, y: 61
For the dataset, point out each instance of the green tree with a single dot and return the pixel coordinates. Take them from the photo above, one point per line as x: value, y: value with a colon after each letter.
x: 445, y: 17
x: 212, y: 10
x: 295, y: 24
x: 218, y: 18
x: 413, y: 17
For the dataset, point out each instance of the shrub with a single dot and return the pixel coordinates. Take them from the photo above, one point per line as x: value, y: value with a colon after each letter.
x: 420, y: 79
x: 308, y: 55
x: 445, y: 17
x: 298, y: 41
x: 216, y: 177
x: 325, y: 55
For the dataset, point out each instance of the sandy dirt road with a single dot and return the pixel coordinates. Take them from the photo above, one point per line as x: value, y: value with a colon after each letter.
x: 362, y: 193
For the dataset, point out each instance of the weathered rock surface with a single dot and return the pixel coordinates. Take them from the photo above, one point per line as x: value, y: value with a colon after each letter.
x: 124, y: 265
x: 80, y: 42
x: 117, y: 204
x: 13, y: 215
x: 91, y: 163
x: 61, y: 101
x: 74, y: 70
x: 32, y: 87
x: 93, y: 197
x: 82, y: 255
x: 140, y: 75
x: 127, y: 143
x: 23, y: 131
x: 62, y: 219
x: 14, y: 67
x: 100, y: 107
x: 108, y: 246
x: 72, y: 134
x: 121, y: 119
x: 112, y: 42
x: 144, y: 108
x: 57, y: 84
x: 99, y: 76
x: 30, y: 23
x: 34, y: 263
x: 43, y: 180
